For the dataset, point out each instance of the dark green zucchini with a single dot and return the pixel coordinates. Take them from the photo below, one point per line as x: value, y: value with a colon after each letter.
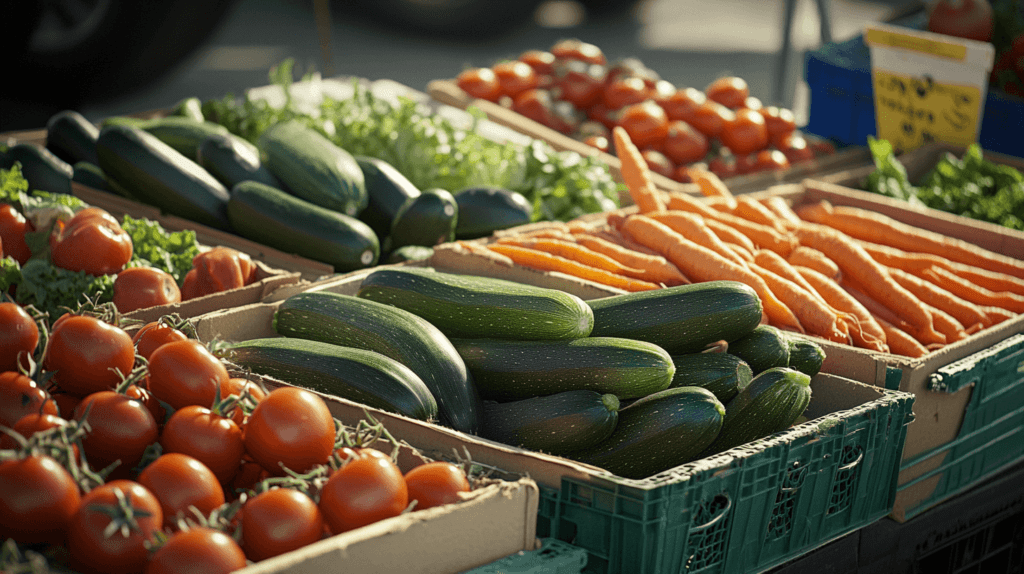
x: 680, y: 319
x: 805, y: 355
x: 159, y: 175
x: 763, y: 348
x: 71, y: 137
x: 658, y: 432
x: 43, y: 170
x: 556, y: 424
x: 182, y: 133
x: 772, y: 402
x: 358, y: 375
x: 313, y: 168
x: 387, y: 192
x: 232, y: 159
x: 89, y: 175
x: 410, y: 253
x: 427, y: 219
x: 484, y: 210
x: 723, y: 374
x: 473, y: 307
x: 273, y: 217
x: 508, y: 370
x: 191, y: 108
x: 409, y: 339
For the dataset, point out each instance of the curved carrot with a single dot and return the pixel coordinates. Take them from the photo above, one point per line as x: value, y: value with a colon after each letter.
x: 967, y: 313
x: 974, y: 293
x: 729, y: 234
x: 570, y: 250
x: 547, y: 262
x: 711, y: 185
x: 815, y: 316
x: 864, y: 330
x: 691, y: 226
x: 757, y: 212
x: 808, y: 257
x: 900, y: 342
x: 635, y: 173
x: 881, y: 311
x: 745, y: 254
x: 656, y: 268
x: 948, y: 325
x: 782, y: 210
x: 915, y: 263
x: 998, y: 314
x: 702, y: 264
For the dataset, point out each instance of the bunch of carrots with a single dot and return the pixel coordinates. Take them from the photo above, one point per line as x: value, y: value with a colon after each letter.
x: 845, y: 274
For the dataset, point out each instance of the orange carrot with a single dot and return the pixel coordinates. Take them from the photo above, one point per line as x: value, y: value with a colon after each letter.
x: 808, y: 257
x: 745, y: 254
x: 571, y: 250
x: 881, y: 311
x: 691, y: 226
x: 877, y: 228
x: 900, y: 342
x: 614, y: 236
x: 656, y: 268
x: 702, y: 264
x: 929, y: 293
x: 761, y: 235
x: 686, y: 202
x: 635, y: 173
x: 711, y: 185
x: 757, y: 212
x: 859, y: 268
x: 775, y: 263
x: 729, y: 234
x: 997, y: 314
x: 915, y: 263
x: 973, y: 293
x: 815, y: 316
x: 780, y: 207
x: 547, y: 262
x: 947, y: 325
x: 864, y: 330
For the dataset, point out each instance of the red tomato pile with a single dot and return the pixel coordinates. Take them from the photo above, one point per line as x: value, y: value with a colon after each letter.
x: 178, y: 467
x: 573, y: 89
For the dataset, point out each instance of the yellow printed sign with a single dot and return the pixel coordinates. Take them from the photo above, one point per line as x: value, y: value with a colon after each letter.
x: 912, y: 111
x: 940, y: 48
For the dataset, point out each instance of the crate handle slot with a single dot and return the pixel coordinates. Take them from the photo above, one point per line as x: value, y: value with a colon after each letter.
x: 721, y: 514
x: 951, y: 378
x: 854, y: 462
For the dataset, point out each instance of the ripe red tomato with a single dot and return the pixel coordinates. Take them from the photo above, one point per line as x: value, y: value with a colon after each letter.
x: 479, y: 83
x: 746, y: 163
x: 153, y: 335
x: 183, y: 373
x: 235, y: 387
x: 19, y: 336
x: 683, y: 144
x: 634, y: 67
x: 770, y: 160
x: 682, y: 104
x: 121, y: 429
x: 38, y: 497
x: 542, y: 61
x: 291, y: 427
x: 13, y: 227
x: 279, y: 521
x: 710, y: 118
x: 658, y: 162
x: 20, y: 396
x: 249, y: 474
x: 575, y: 49
x: 95, y: 547
x: 579, y: 83
x: 91, y: 241
x: 365, y: 490
x: 30, y: 424
x: 212, y: 439
x: 179, y: 481
x: 971, y: 19
x: 599, y: 142
x: 65, y: 402
x: 85, y: 354
x: 746, y: 133
x: 646, y: 123
x: 730, y: 91
x: 795, y: 148
x: 724, y: 166
x: 142, y: 287
x: 625, y: 90
x: 216, y: 270
x: 538, y: 105
x: 198, y: 549
x: 779, y: 121
x: 435, y: 483
x: 515, y: 77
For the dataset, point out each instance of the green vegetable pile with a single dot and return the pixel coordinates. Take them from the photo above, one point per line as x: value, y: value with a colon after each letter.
x: 970, y: 186
x: 430, y: 150
x: 54, y: 290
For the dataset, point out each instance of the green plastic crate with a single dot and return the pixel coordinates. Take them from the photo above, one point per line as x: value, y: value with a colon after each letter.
x: 746, y: 510
x: 553, y: 557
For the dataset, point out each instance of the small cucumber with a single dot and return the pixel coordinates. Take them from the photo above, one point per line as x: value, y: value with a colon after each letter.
x: 71, y: 137
x: 232, y: 159
x: 313, y: 168
x: 182, y: 133
x: 484, y: 210
x: 89, y: 175
x: 506, y: 370
x: 409, y: 339
x: 805, y: 355
x: 723, y: 374
x: 161, y: 176
x: 387, y: 191
x: 473, y: 307
x: 681, y: 319
x: 273, y: 217
x: 556, y: 424
x: 410, y: 253
x: 658, y: 432
x: 772, y: 402
x: 43, y: 170
x: 358, y: 375
x: 763, y: 348
x: 427, y: 219
x: 191, y: 108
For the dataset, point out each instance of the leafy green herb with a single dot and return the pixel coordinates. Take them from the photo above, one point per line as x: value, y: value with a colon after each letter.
x: 156, y: 247
x: 53, y: 290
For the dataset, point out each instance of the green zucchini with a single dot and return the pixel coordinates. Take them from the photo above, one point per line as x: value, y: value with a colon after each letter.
x: 409, y: 339
x: 474, y: 307
x: 313, y: 168
x: 410, y: 253
x: 273, y: 217
x: 190, y: 107
x: 484, y: 210
x: 428, y: 219
x: 358, y: 375
x: 89, y: 175
x: 772, y: 402
x: 763, y: 348
x: 680, y: 319
x: 805, y: 355
x: 556, y: 424
x: 159, y: 175
x: 232, y: 159
x: 658, y: 432
x: 42, y: 169
x: 71, y: 137
x: 508, y: 370
x: 387, y: 191
x: 723, y: 374
x: 182, y: 133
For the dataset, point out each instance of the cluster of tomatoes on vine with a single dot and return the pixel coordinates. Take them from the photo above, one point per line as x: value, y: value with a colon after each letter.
x: 573, y: 89
x: 141, y: 453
